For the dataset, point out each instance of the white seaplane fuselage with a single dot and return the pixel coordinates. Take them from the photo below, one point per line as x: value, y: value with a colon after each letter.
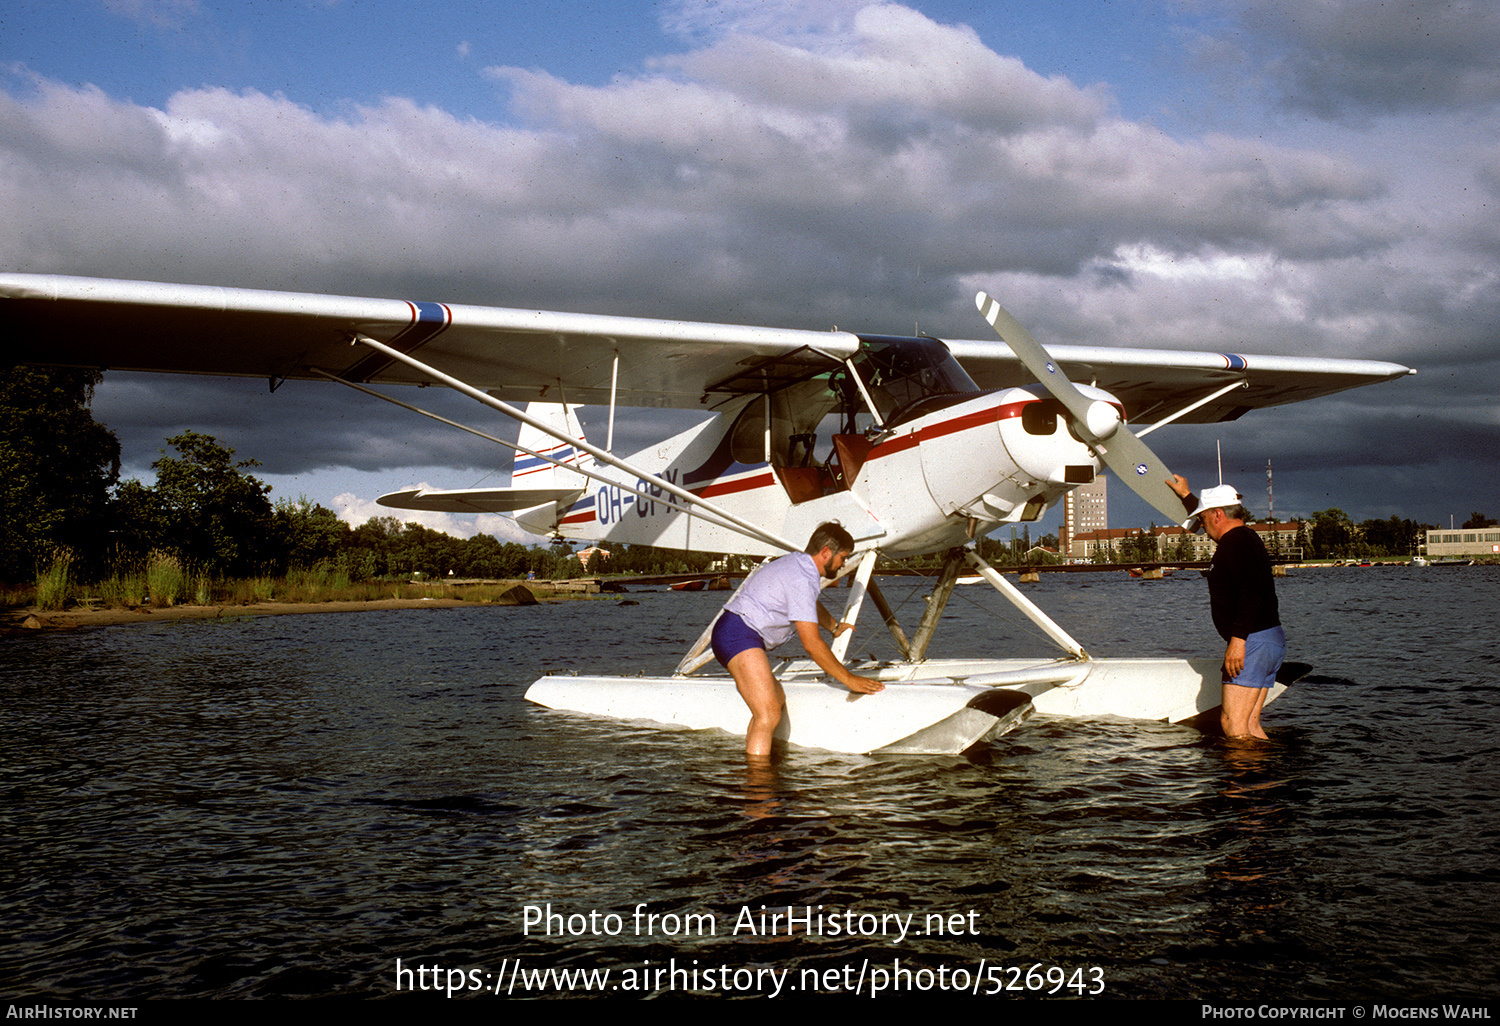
x: 925, y: 485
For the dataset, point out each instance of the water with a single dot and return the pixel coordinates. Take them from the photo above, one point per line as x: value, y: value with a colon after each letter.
x: 284, y: 806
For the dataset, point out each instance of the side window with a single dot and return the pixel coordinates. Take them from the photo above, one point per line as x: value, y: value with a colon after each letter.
x: 747, y: 439
x: 797, y: 413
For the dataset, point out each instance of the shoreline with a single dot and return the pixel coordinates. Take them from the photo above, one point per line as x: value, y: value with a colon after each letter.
x: 25, y: 619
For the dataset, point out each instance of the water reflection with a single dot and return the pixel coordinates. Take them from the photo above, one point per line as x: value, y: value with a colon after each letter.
x: 283, y: 806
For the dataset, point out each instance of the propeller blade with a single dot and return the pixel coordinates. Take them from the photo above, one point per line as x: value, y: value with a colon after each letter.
x: 1134, y: 463
x: 1097, y: 422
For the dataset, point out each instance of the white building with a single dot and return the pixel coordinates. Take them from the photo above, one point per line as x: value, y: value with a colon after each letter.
x: 1464, y: 541
x: 1085, y: 510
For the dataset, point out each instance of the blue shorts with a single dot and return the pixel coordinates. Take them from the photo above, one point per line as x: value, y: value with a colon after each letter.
x: 1264, y: 651
x: 732, y: 636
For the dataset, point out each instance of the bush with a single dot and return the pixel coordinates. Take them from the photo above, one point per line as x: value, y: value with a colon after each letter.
x: 53, y: 578
x: 166, y: 581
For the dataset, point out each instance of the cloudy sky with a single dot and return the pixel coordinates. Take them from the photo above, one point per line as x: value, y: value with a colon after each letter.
x: 1233, y: 175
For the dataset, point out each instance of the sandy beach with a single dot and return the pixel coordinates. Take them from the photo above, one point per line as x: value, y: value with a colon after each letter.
x: 33, y: 619
x: 30, y: 618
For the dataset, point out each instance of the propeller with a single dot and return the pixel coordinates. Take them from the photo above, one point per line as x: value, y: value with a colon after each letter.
x: 1097, y: 422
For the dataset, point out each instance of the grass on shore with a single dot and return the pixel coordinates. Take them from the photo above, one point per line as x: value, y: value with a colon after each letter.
x: 162, y: 580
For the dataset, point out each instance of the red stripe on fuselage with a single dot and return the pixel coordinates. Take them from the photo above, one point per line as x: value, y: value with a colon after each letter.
x: 979, y: 418
x: 743, y: 484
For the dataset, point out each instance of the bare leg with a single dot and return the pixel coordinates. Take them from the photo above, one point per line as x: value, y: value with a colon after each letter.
x: 1240, y: 715
x: 1256, y: 730
x: 763, y: 694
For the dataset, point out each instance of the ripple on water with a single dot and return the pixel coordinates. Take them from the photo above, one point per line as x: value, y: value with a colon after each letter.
x: 283, y: 806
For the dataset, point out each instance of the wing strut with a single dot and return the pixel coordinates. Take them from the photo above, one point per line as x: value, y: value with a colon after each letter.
x: 729, y: 519
x: 571, y: 468
x: 1237, y: 383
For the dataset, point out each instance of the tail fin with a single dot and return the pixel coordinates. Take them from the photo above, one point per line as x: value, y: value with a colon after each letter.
x: 530, y: 472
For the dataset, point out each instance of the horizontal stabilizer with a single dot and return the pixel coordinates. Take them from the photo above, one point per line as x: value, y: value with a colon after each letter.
x: 478, y: 500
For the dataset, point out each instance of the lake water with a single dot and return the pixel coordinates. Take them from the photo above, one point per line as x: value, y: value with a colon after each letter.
x: 286, y: 806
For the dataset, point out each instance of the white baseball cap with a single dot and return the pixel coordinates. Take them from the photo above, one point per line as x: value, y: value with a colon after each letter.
x: 1217, y: 497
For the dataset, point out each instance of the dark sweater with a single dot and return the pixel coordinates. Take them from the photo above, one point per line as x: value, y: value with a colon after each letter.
x: 1241, y: 592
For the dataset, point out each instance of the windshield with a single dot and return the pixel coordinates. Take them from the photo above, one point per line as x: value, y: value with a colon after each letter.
x: 900, y: 373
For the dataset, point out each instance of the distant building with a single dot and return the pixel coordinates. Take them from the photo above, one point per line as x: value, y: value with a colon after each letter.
x: 1472, y: 541
x: 1086, y: 545
x: 1085, y: 509
x: 587, y: 555
x: 1176, y: 544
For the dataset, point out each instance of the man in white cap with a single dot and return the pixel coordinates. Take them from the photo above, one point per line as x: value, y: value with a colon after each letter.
x: 1242, y: 598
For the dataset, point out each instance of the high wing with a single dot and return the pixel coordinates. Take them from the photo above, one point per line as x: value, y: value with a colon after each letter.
x: 521, y: 355
x: 1155, y: 382
x: 516, y: 355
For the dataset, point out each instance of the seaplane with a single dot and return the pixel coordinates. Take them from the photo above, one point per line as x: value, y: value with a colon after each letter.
x: 915, y: 445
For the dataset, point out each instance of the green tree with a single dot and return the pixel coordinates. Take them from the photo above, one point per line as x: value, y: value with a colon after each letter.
x: 1391, y: 537
x: 373, y: 545
x: 1141, y: 546
x: 215, y: 516
x: 57, y: 465
x: 307, y: 534
x: 1187, y: 548
x: 1477, y: 519
x: 1304, y: 546
x: 1333, y: 532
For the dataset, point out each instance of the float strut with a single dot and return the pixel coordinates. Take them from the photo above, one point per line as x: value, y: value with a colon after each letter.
x: 936, y: 602
x: 1061, y: 638
x: 889, y: 616
x: 857, y: 592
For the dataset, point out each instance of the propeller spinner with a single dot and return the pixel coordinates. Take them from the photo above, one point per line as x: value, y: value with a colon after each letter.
x: 1096, y: 422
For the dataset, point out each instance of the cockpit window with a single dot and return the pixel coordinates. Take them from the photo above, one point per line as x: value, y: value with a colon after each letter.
x: 792, y: 426
x: 900, y: 374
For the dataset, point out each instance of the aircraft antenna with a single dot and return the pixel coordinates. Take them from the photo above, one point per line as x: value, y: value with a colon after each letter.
x: 916, y: 302
x: 1270, y: 496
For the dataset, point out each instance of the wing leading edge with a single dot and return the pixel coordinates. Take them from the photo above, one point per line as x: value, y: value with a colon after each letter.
x: 522, y: 355
x: 1153, y: 383
x: 518, y: 355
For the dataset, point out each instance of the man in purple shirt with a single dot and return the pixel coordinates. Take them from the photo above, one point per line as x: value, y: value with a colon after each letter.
x: 776, y: 601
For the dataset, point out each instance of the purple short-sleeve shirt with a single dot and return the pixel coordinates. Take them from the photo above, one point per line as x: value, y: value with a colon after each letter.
x: 778, y: 595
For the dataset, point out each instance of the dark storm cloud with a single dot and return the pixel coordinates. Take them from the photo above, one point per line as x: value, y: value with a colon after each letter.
x: 1358, y: 57
x: 811, y: 166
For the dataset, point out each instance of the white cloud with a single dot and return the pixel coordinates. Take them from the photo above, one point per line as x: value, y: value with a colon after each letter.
x: 803, y: 164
